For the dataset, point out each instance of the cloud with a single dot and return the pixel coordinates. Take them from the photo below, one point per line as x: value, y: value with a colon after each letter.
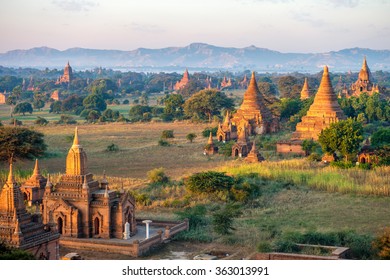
x: 306, y: 17
x: 75, y: 5
x: 148, y: 28
x: 345, y: 3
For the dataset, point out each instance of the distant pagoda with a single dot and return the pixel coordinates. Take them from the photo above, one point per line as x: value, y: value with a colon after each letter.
x: 183, y: 82
x: 305, y: 93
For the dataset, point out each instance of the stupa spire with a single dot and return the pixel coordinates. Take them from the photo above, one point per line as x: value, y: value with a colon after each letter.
x: 210, y: 141
x: 36, y: 168
x: 10, y: 180
x: 305, y: 90
x: 76, y: 137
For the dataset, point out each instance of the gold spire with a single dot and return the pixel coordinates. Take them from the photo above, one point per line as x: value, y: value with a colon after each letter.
x: 227, y: 119
x: 76, y: 161
x: 36, y: 168
x: 10, y: 175
x: 364, y: 74
x: 76, y: 137
x: 253, y: 146
x: 210, y: 141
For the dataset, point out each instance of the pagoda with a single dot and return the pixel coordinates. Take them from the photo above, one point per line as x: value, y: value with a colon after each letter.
x: 183, y: 82
x: 254, y: 113
x: 241, y: 147
x: 20, y: 229
x: 363, y: 83
x: 67, y: 77
x: 305, y: 93
x: 254, y: 155
x: 210, y: 149
x: 324, y: 111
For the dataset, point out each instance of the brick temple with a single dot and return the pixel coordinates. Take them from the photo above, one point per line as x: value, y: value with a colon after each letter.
x: 23, y: 230
x: 183, y: 82
x: 82, y: 207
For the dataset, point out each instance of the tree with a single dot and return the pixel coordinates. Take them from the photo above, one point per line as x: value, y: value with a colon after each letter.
x: 158, y: 175
x: 95, y: 102
x: 136, y: 112
x: 224, y: 218
x: 167, y: 134
x: 56, y: 107
x: 23, y: 108
x: 9, y: 253
x: 289, y: 87
x: 191, y: 136
x: 289, y: 107
x: 381, y: 137
x: 343, y: 137
x: 207, y: 103
x: 38, y: 104
x: 192, y: 87
x: 173, y: 106
x: 20, y: 143
x: 209, y: 182
x: 309, y: 146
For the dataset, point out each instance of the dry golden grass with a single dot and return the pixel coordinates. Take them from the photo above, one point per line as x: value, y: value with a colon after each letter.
x: 139, y: 150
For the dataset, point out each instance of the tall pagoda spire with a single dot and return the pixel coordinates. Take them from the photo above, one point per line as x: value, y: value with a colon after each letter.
x: 76, y: 161
x: 210, y: 141
x: 10, y: 180
x: 11, y: 198
x: 364, y: 74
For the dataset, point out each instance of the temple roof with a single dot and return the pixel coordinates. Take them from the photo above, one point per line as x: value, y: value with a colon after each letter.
x: 364, y: 74
x: 325, y: 102
x: 254, y: 101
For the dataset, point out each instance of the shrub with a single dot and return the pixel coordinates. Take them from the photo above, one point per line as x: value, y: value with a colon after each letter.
x: 157, y: 175
x: 163, y: 143
x: 342, y: 164
x: 207, y: 130
x: 167, y: 134
x: 196, y: 216
x: 191, y: 136
x: 382, y: 244
x: 126, y: 102
x: 66, y: 119
x: 112, y: 148
x: 224, y: 218
x: 15, y: 122
x: 209, y: 182
x: 41, y: 121
x: 314, y: 157
x: 264, y: 247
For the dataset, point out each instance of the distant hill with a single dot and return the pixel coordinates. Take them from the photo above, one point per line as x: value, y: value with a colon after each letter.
x: 198, y: 56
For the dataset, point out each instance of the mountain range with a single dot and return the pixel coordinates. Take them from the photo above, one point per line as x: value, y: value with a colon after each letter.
x: 198, y: 56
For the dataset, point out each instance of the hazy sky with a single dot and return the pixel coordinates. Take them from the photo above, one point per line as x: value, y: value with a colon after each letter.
x: 283, y: 25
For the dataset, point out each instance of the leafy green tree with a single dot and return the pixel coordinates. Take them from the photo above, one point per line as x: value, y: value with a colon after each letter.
x: 267, y: 88
x: 191, y: 136
x: 136, y: 112
x: 207, y: 130
x: 93, y: 115
x: 196, y: 216
x: 173, y: 106
x: 223, y: 219
x: 289, y: 86
x: 110, y: 114
x: 38, y: 104
x: 21, y: 143
x: 23, y: 108
x: 207, y: 103
x: 381, y: 137
x: 192, y: 87
x: 56, y: 107
x: 95, y: 102
x: 309, y: 146
x: 73, y: 103
x: 343, y: 137
x: 289, y: 107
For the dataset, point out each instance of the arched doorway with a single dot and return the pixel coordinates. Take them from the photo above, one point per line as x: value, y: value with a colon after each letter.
x: 363, y: 160
x: 25, y: 196
x: 236, y: 152
x: 60, y: 225
x: 96, y: 226
x: 220, y: 138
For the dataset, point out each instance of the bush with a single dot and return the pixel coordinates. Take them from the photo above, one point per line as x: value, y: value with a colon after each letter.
x: 112, y: 148
x: 163, y: 143
x: 196, y: 216
x: 41, y: 121
x: 126, y: 102
x: 342, y: 164
x: 167, y: 134
x: 264, y: 247
x: 382, y: 244
x: 191, y: 136
x: 207, y: 130
x: 314, y: 157
x: 157, y: 175
x: 225, y: 148
x: 209, y: 182
x: 224, y: 218
x: 66, y: 119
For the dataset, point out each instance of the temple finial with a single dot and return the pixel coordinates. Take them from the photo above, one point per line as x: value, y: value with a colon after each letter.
x: 76, y: 137
x: 36, y: 168
x: 10, y: 179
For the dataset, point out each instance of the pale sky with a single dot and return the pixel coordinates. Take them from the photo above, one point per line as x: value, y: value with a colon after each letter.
x: 282, y: 25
